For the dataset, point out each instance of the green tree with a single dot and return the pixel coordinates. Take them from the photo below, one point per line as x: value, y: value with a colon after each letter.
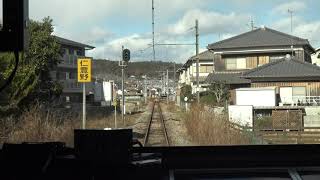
x: 32, y: 81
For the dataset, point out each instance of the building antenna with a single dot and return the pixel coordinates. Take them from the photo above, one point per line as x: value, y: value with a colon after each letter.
x: 252, y: 25
x: 153, y: 50
x: 291, y: 12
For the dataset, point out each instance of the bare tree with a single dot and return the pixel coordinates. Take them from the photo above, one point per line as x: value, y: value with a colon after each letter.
x: 220, y: 90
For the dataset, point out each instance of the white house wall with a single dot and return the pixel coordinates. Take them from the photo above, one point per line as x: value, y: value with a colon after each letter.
x: 242, y: 115
x: 315, y: 58
x: 256, y: 96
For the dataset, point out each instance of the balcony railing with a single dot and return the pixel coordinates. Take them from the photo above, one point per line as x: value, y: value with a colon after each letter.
x: 71, y: 86
x: 300, y: 100
x: 68, y: 61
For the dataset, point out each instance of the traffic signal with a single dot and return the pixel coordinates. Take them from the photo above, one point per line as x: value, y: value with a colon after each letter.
x: 126, y: 55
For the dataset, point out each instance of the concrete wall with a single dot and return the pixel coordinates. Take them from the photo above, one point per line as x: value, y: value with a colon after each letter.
x: 312, y: 117
x: 242, y: 115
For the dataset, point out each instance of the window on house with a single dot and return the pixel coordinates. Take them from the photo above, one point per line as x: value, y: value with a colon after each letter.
x: 205, y: 68
x: 276, y: 58
x: 67, y: 75
x: 231, y: 63
x: 72, y: 75
x: 71, y: 51
x: 298, y: 91
x: 63, y: 51
x: 241, y: 63
x: 80, y: 53
x: 70, y: 59
x: 235, y: 63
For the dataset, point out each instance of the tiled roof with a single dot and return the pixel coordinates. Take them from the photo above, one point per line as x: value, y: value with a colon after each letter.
x: 203, y: 55
x: 228, y: 78
x: 72, y: 43
x: 201, y: 78
x: 284, y: 68
x: 262, y: 37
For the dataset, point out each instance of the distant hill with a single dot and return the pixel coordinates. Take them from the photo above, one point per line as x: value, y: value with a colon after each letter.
x: 111, y: 70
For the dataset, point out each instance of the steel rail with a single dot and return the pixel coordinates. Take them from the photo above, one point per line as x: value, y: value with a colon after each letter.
x: 163, y: 125
x: 146, y: 137
x: 164, y: 129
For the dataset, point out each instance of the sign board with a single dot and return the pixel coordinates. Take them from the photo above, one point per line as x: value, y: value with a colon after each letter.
x: 84, y: 70
x: 186, y: 99
x: 114, y: 103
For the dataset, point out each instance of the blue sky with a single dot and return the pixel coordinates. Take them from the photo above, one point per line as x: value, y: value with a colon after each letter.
x: 108, y: 24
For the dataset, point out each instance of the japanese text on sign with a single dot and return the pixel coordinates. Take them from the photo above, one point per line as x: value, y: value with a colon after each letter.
x: 84, y: 70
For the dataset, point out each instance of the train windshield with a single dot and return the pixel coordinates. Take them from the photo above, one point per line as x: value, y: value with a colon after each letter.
x: 178, y: 73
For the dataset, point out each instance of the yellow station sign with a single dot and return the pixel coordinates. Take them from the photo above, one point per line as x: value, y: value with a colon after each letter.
x: 84, y: 70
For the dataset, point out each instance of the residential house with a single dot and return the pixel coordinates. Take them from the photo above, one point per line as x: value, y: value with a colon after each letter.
x: 316, y: 57
x: 252, y: 49
x: 297, y: 82
x: 188, y: 72
x: 296, y: 95
x: 66, y: 71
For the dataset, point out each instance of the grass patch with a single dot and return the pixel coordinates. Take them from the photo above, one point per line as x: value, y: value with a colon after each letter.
x: 206, y: 128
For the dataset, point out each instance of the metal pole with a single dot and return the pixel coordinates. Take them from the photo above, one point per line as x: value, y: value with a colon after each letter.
x: 167, y: 86
x: 291, y: 32
x: 197, y: 58
x: 84, y: 106
x: 174, y: 80
x: 122, y: 89
x: 163, y: 83
x: 115, y: 116
x: 115, y: 107
x: 145, y: 89
x: 153, y: 50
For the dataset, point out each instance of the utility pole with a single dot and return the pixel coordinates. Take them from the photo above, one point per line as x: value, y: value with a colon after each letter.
x: 174, y: 80
x: 122, y: 90
x: 161, y: 83
x: 167, y: 92
x: 145, y: 89
x: 197, y: 58
x: 291, y: 12
x: 153, y: 50
x: 114, y: 99
x: 164, y: 82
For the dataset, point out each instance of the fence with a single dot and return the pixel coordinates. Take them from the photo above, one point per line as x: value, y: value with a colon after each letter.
x: 301, y: 100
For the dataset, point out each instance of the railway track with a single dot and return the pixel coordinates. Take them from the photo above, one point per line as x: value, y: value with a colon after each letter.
x: 156, y: 134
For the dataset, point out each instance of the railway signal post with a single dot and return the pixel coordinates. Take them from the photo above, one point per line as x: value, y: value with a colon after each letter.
x: 123, y: 63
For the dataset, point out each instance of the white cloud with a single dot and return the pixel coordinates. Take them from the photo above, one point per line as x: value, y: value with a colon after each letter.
x: 68, y: 13
x: 301, y: 28
x: 141, y: 49
x: 284, y: 24
x: 295, y: 6
x: 309, y: 31
x: 210, y: 22
x: 96, y: 35
x: 226, y: 36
